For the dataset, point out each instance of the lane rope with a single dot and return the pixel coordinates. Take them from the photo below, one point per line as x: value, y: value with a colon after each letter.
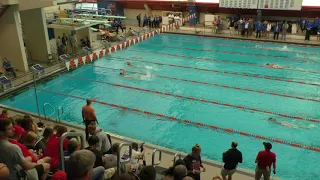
x: 227, y: 61
x: 238, y: 53
x: 221, y: 85
x: 220, y: 72
x: 234, y: 46
x: 194, y: 123
x: 200, y: 100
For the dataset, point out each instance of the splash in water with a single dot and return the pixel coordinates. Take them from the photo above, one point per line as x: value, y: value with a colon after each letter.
x: 285, y: 48
x: 146, y: 77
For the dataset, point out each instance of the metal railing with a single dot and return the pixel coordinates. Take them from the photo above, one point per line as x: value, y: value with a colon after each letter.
x: 44, y: 110
x: 60, y: 113
x: 119, y: 157
x: 175, y: 157
x: 153, y: 156
x: 63, y: 136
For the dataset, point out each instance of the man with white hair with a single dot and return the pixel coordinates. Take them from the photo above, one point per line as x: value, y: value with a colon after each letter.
x: 80, y: 166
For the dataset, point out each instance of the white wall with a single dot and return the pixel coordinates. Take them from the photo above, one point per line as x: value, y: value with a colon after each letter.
x: 56, y: 9
x: 11, y: 42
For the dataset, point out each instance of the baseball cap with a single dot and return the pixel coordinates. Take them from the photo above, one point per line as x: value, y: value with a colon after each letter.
x: 59, y: 175
x: 267, y: 145
x: 18, y: 130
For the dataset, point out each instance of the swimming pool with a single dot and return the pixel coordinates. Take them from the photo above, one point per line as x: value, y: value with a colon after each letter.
x: 218, y: 82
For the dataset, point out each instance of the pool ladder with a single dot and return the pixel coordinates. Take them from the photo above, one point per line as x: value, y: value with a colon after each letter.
x: 60, y: 112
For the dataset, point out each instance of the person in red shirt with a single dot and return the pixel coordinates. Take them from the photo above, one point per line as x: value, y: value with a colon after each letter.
x: 18, y: 133
x: 4, y: 114
x: 264, y: 161
x: 52, y: 149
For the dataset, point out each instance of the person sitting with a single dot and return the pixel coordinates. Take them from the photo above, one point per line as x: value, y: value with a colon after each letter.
x: 8, y: 67
x: 47, y: 133
x: 93, y: 142
x: 107, y: 34
x: 110, y: 160
x: 52, y: 149
x: 4, y: 171
x: 169, y: 173
x: 104, y: 143
x: 11, y: 155
x: 135, y: 157
x: 148, y: 173
x: 4, y: 114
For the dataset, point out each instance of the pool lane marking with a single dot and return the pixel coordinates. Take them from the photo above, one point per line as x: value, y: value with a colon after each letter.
x: 189, y: 122
x: 219, y: 71
x: 234, y: 46
x: 226, y: 61
x: 238, y: 53
x: 198, y: 99
x: 222, y: 86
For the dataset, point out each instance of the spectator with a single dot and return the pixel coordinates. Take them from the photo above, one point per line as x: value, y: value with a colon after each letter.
x: 64, y: 41
x: 72, y: 147
x: 240, y: 27
x: 168, y: 174
x: 187, y: 178
x: 4, y: 171
x: 110, y: 160
x: 179, y: 172
x: 104, y: 144
x: 193, y: 162
x: 308, y: 27
x: 259, y: 29
x: 93, y: 142
x: 246, y: 27
x: 80, y: 166
x: 88, y: 115
x: 139, y: 19
x: 52, y: 149
x: 12, y: 156
x: 55, y: 128
x: 276, y: 30
x: 8, y: 67
x: 318, y: 33
x: 231, y: 28
x: 109, y: 138
x: 75, y: 138
x: 145, y: 20
x: 268, y: 29
x: 18, y: 132
x: 231, y: 158
x: 4, y: 114
x: 31, y: 140
x: 148, y: 173
x: 27, y: 124
x: 217, y: 178
x: 59, y: 175
x: 48, y: 132
x: 135, y: 157
x: 264, y: 160
x: 284, y: 30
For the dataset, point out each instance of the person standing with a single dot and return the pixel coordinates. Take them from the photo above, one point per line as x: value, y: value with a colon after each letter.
x: 64, y: 41
x: 268, y: 29
x: 231, y: 27
x: 259, y: 29
x: 284, y: 30
x: 308, y: 28
x: 231, y: 158
x: 139, y: 19
x: 276, y: 31
x: 264, y: 160
x: 88, y: 115
x: 193, y: 163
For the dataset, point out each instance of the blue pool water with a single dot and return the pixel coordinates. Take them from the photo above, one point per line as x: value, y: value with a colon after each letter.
x: 293, y: 163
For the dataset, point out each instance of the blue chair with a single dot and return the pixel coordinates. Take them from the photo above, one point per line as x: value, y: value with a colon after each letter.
x: 5, y: 83
x: 38, y: 69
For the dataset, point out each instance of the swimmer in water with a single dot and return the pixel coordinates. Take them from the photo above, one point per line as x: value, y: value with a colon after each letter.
x: 130, y: 64
x: 123, y: 73
x: 287, y: 124
x: 273, y: 65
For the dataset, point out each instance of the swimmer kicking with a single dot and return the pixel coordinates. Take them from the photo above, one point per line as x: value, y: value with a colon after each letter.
x: 287, y: 124
x: 124, y: 74
x: 273, y: 65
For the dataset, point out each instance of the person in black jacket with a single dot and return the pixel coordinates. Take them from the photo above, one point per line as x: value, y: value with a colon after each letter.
x: 231, y: 158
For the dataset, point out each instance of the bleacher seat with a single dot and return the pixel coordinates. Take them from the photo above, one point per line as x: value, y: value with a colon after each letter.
x: 5, y: 83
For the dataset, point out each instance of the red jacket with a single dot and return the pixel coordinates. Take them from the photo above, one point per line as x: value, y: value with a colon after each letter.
x: 52, y: 150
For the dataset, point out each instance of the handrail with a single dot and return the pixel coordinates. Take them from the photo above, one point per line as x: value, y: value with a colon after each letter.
x: 63, y: 136
x: 175, y: 157
x: 153, y: 155
x: 60, y: 108
x: 119, y: 157
x: 44, y: 110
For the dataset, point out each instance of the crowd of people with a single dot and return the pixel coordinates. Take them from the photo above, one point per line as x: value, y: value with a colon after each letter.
x: 26, y: 154
x: 152, y: 21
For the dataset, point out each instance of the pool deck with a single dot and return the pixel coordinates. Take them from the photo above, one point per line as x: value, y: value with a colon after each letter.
x: 297, y: 39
